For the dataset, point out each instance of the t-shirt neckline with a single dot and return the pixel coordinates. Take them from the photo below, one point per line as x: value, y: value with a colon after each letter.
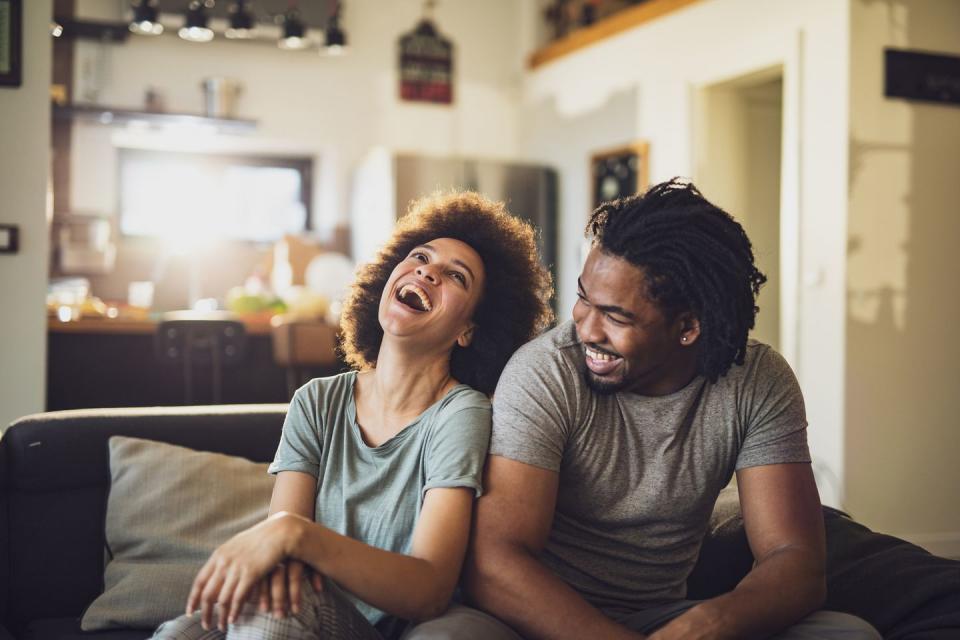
x: 394, y: 441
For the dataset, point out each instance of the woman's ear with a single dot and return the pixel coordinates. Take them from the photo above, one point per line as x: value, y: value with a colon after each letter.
x: 465, y: 338
x: 689, y: 326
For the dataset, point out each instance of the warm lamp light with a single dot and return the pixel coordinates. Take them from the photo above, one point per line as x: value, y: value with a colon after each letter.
x: 145, y: 18
x: 196, y: 29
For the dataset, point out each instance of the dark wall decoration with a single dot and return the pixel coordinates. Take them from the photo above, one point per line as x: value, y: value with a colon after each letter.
x: 620, y: 172
x: 426, y: 65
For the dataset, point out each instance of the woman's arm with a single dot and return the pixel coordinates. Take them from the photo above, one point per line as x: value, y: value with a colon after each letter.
x: 293, y: 492
x: 278, y: 588
x: 416, y: 586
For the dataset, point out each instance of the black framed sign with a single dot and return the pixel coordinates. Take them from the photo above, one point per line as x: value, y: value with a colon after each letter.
x: 618, y: 173
x: 11, y: 42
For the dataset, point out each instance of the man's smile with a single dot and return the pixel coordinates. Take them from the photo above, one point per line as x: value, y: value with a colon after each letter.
x: 601, y: 362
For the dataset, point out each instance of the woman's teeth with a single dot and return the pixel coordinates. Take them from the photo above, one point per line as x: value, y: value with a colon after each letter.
x: 421, y: 296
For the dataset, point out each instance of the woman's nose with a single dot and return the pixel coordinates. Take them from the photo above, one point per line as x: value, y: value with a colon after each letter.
x: 427, y: 272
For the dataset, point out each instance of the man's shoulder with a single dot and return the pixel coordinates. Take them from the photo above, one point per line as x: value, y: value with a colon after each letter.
x: 554, y: 350
x: 759, y: 360
x: 763, y: 372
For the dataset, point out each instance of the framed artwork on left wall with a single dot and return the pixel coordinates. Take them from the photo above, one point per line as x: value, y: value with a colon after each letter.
x: 11, y: 42
x: 618, y: 173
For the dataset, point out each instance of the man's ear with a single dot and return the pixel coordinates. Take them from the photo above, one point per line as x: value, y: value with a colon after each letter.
x: 689, y: 327
x: 465, y: 338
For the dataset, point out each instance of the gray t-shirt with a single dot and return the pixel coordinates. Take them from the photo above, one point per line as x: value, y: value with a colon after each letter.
x: 639, y: 475
x: 374, y: 494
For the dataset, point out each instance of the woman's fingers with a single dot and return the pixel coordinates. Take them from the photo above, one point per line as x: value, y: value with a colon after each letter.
x: 240, y: 594
x: 294, y: 576
x: 226, y: 598
x: 193, y: 600
x: 208, y: 597
x: 317, y: 580
x: 278, y: 591
x: 265, y: 594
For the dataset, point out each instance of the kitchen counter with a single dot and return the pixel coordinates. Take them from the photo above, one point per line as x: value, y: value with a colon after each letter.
x: 112, y: 362
x: 258, y: 326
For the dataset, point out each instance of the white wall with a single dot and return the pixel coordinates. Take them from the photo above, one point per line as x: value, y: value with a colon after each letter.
x: 903, y: 351
x: 24, y: 165
x: 663, y: 63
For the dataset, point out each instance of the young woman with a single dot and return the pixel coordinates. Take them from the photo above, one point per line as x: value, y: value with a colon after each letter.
x: 378, y: 468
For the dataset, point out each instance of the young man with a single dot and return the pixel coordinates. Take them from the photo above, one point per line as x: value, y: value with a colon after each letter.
x: 613, y: 435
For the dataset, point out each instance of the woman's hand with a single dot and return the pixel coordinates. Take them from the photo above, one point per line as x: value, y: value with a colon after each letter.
x: 280, y: 592
x: 233, y: 570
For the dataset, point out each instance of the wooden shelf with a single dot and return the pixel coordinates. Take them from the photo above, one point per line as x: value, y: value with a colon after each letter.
x: 606, y: 28
x: 109, y: 115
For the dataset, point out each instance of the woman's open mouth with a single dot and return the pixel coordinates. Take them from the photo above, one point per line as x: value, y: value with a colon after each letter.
x: 412, y: 296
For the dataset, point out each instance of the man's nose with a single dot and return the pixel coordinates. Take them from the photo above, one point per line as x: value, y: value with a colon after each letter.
x: 589, y: 326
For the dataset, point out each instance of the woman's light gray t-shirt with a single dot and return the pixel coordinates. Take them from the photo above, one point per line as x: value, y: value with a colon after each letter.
x: 639, y: 475
x: 374, y: 494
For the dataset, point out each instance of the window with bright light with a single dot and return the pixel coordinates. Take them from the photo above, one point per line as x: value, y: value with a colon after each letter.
x: 170, y: 196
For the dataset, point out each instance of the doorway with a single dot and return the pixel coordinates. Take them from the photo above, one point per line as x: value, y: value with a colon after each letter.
x: 738, y: 132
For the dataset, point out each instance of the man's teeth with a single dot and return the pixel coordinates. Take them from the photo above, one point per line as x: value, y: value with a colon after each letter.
x: 420, y: 293
x: 596, y: 355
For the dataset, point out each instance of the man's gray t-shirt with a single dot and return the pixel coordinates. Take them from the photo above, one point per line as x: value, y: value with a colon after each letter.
x: 374, y: 494
x: 639, y: 475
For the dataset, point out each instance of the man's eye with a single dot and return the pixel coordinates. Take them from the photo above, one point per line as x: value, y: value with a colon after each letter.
x: 616, y: 321
x: 459, y: 276
x: 422, y: 257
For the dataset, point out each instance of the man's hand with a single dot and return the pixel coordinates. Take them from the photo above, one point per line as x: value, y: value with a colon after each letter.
x: 694, y: 624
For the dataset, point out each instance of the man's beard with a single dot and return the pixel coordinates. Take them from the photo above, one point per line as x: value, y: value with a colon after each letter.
x: 600, y: 386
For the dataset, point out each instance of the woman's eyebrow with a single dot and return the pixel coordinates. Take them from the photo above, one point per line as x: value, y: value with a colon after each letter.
x: 456, y: 261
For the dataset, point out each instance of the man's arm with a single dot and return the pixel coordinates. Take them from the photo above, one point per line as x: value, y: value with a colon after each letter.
x: 784, y: 524
x: 502, y: 573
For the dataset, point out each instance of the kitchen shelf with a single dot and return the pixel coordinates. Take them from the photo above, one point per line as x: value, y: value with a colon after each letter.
x: 110, y: 115
x: 605, y: 28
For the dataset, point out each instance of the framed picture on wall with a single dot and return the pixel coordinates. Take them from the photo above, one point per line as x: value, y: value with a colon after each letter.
x: 11, y: 39
x: 617, y: 173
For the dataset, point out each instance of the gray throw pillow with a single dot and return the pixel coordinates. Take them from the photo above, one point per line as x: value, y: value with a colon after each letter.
x: 169, y: 508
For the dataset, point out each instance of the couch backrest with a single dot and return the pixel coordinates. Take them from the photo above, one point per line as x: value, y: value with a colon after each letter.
x: 54, y: 480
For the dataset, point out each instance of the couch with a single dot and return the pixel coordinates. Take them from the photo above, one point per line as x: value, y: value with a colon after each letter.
x: 55, y: 479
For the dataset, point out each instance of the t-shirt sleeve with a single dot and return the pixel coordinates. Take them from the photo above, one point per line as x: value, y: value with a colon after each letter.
x: 776, y: 420
x: 457, y: 449
x: 300, y: 447
x: 530, y: 413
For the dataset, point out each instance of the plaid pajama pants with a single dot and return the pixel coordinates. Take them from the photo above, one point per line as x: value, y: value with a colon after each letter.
x: 324, y: 615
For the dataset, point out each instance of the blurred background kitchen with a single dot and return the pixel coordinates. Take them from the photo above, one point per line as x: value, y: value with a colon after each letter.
x: 187, y: 187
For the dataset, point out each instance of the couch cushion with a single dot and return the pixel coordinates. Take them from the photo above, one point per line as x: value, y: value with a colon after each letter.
x: 168, y: 509
x: 55, y: 475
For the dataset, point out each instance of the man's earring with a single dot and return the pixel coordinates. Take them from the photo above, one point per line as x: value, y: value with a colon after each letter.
x: 683, y: 339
